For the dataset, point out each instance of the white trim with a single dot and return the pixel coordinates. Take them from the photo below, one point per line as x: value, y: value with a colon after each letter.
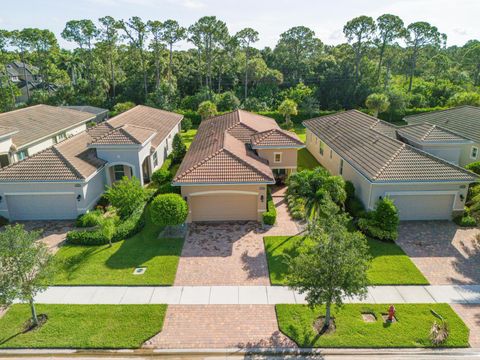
x: 283, y: 167
x: 213, y: 192
x: 426, y: 192
x: 222, y: 184
x: 471, y: 150
x: 41, y: 193
x: 275, y: 156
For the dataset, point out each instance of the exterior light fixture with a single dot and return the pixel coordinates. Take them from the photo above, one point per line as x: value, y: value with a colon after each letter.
x: 261, y: 198
x: 79, y: 197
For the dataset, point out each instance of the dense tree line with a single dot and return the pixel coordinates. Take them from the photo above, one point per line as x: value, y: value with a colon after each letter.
x: 135, y: 60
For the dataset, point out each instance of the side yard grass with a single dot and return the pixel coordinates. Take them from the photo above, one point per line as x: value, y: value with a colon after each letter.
x: 188, y: 136
x: 306, y: 161
x: 411, y: 329
x: 82, y: 326
x: 104, y: 265
x: 390, y: 265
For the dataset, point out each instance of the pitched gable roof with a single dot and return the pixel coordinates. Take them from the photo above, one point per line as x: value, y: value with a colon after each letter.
x: 40, y: 121
x: 125, y: 135
x: 220, y: 154
x: 276, y: 137
x: 426, y: 132
x: 462, y: 120
x: 377, y: 156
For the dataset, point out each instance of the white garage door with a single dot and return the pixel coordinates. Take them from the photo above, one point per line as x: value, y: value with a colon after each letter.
x: 223, y: 207
x: 42, y: 207
x: 424, y: 207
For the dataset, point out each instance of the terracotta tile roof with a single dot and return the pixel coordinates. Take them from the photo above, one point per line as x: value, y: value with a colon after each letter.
x: 426, y: 132
x: 276, y: 137
x: 161, y: 121
x: 39, y: 121
x: 72, y: 159
x: 462, y: 120
x: 125, y: 135
x: 220, y: 151
x: 379, y: 157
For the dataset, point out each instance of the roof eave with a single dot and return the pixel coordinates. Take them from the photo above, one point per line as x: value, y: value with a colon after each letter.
x: 178, y: 183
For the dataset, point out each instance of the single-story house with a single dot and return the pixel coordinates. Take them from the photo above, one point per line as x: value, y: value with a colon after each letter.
x: 36, y: 128
x: 100, y: 113
x: 462, y: 121
x: 68, y: 178
x: 369, y: 153
x: 233, y: 158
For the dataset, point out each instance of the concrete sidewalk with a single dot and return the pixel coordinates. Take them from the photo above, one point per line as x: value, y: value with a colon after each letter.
x: 262, y: 295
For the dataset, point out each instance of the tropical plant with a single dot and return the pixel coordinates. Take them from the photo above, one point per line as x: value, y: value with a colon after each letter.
x: 377, y: 103
x: 207, y: 109
x: 288, y: 108
x: 169, y: 209
x: 179, y: 148
x: 126, y: 195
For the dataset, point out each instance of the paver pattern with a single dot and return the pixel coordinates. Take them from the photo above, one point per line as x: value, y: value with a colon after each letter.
x: 444, y: 253
x: 220, y: 326
x: 470, y: 314
x: 285, y: 225
x: 54, y: 233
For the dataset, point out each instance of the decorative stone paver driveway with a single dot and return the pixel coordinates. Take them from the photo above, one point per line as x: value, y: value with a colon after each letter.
x: 223, y: 254
x: 54, y: 233
x: 219, y: 326
x: 470, y: 314
x: 444, y: 253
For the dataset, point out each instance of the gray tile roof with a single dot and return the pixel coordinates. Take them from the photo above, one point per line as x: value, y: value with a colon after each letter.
x: 378, y: 157
x: 40, y: 121
x: 462, y: 120
x: 428, y: 133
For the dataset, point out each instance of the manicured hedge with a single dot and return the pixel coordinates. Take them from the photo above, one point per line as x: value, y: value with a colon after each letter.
x: 127, y: 228
x: 270, y: 216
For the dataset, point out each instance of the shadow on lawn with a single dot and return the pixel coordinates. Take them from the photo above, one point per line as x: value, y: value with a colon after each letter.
x: 282, y: 258
x: 75, y: 262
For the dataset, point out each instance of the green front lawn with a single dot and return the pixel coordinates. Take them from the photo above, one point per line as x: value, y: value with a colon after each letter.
x: 103, y: 265
x: 411, y: 330
x: 306, y: 161
x: 390, y: 265
x: 83, y: 326
x: 188, y: 136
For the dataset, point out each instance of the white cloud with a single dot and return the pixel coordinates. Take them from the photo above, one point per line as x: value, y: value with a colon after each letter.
x: 461, y: 32
x: 193, y: 4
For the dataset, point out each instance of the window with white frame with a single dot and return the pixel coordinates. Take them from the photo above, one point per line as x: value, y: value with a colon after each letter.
x: 474, y: 152
x: 322, y: 147
x: 155, y: 159
x: 340, y: 170
x: 61, y: 137
x: 277, y: 157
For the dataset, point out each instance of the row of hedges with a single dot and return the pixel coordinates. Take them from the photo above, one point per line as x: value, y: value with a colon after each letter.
x: 270, y: 216
x: 125, y: 229
x: 471, y: 216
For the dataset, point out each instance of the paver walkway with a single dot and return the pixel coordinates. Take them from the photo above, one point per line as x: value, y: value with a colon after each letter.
x: 220, y: 326
x: 442, y: 251
x: 248, y: 295
x: 470, y: 314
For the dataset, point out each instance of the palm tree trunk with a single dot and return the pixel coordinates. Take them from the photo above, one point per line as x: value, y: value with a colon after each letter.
x: 246, y: 74
x: 112, y: 74
x: 34, y: 313
x: 170, y: 62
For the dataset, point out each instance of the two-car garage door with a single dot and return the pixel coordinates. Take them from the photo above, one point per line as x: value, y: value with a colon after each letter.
x: 41, y: 207
x: 421, y: 206
x: 223, y: 207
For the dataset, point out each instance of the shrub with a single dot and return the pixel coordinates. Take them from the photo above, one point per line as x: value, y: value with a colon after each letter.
x: 355, y: 208
x: 124, y: 230
x: 126, y: 195
x: 89, y: 219
x: 161, y: 176
x: 349, y: 190
x: 103, y: 202
x: 186, y: 124
x: 118, y: 108
x: 227, y: 101
x: 207, y: 109
x: 270, y: 216
x: 465, y: 220
x: 178, y: 149
x: 381, y: 223
x: 168, y: 188
x: 475, y: 167
x: 168, y: 209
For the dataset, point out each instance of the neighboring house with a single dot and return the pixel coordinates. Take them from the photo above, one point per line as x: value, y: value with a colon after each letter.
x: 233, y: 158
x: 36, y: 128
x: 67, y: 179
x: 100, y: 114
x: 368, y: 152
x: 463, y: 121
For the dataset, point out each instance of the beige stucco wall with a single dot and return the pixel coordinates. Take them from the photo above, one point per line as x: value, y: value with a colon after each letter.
x: 289, y: 158
x: 224, y: 190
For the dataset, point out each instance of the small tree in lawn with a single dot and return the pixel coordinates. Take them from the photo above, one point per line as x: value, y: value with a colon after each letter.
x: 207, y: 109
x: 107, y: 227
x: 126, y: 195
x: 334, y: 265
x: 168, y: 209
x: 377, y: 103
x: 288, y: 108
x: 25, y: 266
x: 178, y: 148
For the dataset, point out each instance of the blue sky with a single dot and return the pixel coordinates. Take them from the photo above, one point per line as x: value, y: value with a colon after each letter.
x: 457, y: 18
